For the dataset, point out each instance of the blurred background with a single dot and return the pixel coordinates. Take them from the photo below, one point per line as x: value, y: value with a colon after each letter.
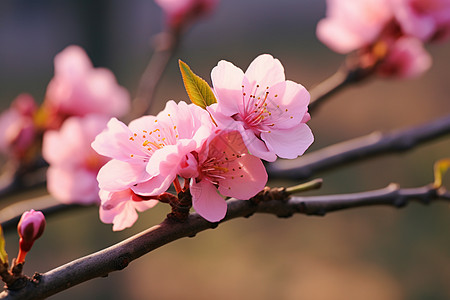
x: 366, y: 253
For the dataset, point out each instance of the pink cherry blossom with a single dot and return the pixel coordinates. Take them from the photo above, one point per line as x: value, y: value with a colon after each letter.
x: 18, y: 130
x: 78, y: 88
x: 71, y: 177
x: 146, y: 155
x: 269, y: 111
x: 225, y: 166
x: 424, y: 19
x: 181, y: 12
x: 353, y: 24
x: 407, y: 58
x: 119, y: 208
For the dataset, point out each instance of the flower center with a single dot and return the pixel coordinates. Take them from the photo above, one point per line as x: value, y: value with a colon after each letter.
x: 257, y: 109
x: 148, y: 141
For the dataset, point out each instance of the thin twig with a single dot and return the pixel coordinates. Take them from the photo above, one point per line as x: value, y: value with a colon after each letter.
x: 118, y: 256
x: 10, y: 215
x: 349, y: 73
x: 357, y: 149
x: 166, y: 45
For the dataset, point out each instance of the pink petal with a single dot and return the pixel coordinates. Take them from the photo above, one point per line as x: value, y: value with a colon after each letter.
x: 265, y: 71
x: 72, y: 185
x: 114, y: 142
x: 406, y: 59
x: 119, y: 209
x: 207, y: 202
x: 154, y: 186
x: 227, y: 82
x: 289, y: 106
x: 117, y: 175
x: 289, y: 143
x: 245, y: 178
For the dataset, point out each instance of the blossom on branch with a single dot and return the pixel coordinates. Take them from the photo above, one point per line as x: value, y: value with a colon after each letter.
x: 72, y: 174
x: 427, y: 20
x: 269, y: 111
x: 353, y: 24
x: 406, y: 59
x: 78, y: 89
x: 146, y: 155
x: 18, y: 130
x: 223, y: 165
x: 180, y: 13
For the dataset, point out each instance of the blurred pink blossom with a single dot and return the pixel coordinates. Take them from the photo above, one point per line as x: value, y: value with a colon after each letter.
x: 78, y: 89
x: 146, y: 155
x: 353, y: 24
x: 224, y: 166
x: 71, y: 176
x: 30, y: 227
x: 181, y: 12
x: 18, y: 130
x: 424, y: 19
x: 269, y: 111
x: 406, y: 59
x: 119, y: 208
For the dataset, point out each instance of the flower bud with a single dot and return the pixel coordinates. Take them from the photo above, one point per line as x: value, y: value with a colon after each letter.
x: 30, y: 228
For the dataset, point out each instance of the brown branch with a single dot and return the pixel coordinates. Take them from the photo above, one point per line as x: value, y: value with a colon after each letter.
x: 118, y: 256
x: 349, y: 73
x: 10, y: 215
x: 358, y: 149
x: 166, y: 45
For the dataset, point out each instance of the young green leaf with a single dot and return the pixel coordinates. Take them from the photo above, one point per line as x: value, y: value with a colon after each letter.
x: 197, y: 89
x: 440, y: 168
x: 3, y: 254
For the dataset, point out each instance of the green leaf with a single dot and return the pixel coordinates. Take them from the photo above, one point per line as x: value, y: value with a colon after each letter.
x: 440, y: 168
x: 197, y: 89
x: 3, y: 254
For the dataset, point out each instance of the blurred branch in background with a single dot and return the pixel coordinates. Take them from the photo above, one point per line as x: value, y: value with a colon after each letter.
x: 166, y: 44
x: 360, y: 148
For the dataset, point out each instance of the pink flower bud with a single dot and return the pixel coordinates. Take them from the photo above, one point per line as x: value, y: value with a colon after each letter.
x: 30, y: 228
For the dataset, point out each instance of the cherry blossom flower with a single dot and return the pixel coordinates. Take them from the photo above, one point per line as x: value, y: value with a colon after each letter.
x: 407, y: 58
x: 424, y: 19
x: 146, y: 154
x: 18, y: 129
x: 72, y: 175
x: 30, y: 227
x: 78, y: 88
x: 269, y: 111
x: 353, y: 24
x: 223, y: 165
x: 119, y: 208
x: 181, y: 12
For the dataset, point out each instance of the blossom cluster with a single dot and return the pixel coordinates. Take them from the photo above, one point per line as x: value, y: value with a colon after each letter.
x: 389, y: 33
x: 217, y: 150
x: 79, y: 101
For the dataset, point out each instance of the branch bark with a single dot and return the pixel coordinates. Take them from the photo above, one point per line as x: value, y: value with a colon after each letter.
x: 360, y: 148
x: 118, y: 256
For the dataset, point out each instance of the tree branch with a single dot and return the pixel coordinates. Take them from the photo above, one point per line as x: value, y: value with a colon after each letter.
x: 360, y: 148
x: 166, y: 45
x: 352, y: 71
x: 117, y: 257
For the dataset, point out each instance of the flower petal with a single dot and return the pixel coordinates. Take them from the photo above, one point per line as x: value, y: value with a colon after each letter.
x: 265, y: 71
x: 227, y: 83
x: 207, y: 202
x: 245, y: 178
x: 117, y: 175
x: 289, y: 143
